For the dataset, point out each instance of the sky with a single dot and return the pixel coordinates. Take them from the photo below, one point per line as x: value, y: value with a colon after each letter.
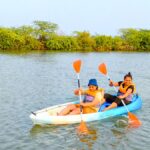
x: 104, y: 17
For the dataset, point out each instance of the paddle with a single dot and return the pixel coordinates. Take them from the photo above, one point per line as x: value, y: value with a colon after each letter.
x: 133, y: 120
x: 77, y: 67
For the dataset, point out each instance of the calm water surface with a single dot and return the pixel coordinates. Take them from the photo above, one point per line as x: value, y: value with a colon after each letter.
x: 33, y: 81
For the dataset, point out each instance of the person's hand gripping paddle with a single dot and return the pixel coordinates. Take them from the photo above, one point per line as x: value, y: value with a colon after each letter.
x: 133, y: 120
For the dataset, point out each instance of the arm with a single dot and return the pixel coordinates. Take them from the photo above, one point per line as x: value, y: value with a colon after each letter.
x: 128, y: 92
x: 102, y: 93
x: 95, y: 102
x: 112, y: 83
x: 76, y: 92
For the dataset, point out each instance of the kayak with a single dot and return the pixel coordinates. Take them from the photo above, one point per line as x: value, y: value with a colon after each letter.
x: 49, y: 115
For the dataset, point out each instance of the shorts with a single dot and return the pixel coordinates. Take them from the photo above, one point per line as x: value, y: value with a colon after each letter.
x: 111, y: 98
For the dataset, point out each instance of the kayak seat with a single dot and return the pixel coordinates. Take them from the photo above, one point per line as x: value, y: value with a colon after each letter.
x: 103, y: 106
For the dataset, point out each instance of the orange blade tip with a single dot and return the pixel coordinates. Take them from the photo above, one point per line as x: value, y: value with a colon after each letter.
x: 102, y: 68
x: 77, y: 65
x: 134, y: 120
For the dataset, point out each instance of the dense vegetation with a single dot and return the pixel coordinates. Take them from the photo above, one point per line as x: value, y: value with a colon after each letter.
x: 43, y: 35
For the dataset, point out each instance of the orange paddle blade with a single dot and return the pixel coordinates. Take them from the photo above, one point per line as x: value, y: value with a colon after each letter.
x: 83, y: 128
x: 102, y: 68
x: 77, y: 65
x: 134, y: 120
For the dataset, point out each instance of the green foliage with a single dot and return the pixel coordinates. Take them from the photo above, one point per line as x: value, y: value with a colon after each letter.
x: 9, y: 40
x: 137, y: 39
x: 24, y: 30
x: 62, y: 43
x: 145, y: 40
x: 27, y: 33
x: 42, y: 35
x: 120, y: 44
x: 85, y: 41
x: 103, y: 43
x: 44, y: 29
x: 31, y: 43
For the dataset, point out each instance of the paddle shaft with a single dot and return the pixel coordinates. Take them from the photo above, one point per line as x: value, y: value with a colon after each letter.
x: 80, y: 98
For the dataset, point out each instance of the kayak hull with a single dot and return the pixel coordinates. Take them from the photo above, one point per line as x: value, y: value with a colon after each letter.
x: 49, y: 115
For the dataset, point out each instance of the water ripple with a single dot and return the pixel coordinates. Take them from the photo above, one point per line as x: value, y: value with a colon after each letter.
x: 34, y: 81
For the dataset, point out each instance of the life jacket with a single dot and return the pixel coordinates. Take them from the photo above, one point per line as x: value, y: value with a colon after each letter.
x: 90, y: 95
x: 123, y: 89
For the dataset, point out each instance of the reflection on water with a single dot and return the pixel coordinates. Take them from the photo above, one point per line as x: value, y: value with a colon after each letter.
x: 120, y: 127
x: 108, y: 134
x: 89, y: 138
x: 59, y: 131
x: 126, y: 122
x: 118, y: 133
x: 122, y: 122
x: 37, y: 130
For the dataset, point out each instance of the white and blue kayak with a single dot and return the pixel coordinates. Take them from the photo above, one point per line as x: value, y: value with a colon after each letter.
x: 49, y: 115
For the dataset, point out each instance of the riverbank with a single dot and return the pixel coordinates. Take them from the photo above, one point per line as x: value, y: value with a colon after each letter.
x: 44, y: 35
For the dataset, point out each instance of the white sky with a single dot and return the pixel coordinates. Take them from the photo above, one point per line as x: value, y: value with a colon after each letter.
x: 96, y: 16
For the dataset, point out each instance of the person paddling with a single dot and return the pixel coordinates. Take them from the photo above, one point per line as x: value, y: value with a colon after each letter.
x: 91, y: 102
x: 125, y: 92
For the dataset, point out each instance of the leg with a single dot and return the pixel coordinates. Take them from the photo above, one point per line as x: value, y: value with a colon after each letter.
x: 113, y: 105
x: 75, y: 111
x: 111, y: 99
x: 106, y: 98
x: 117, y: 102
x: 67, y: 110
x: 102, y: 101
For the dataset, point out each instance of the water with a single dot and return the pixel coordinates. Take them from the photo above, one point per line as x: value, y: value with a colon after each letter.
x: 29, y: 82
